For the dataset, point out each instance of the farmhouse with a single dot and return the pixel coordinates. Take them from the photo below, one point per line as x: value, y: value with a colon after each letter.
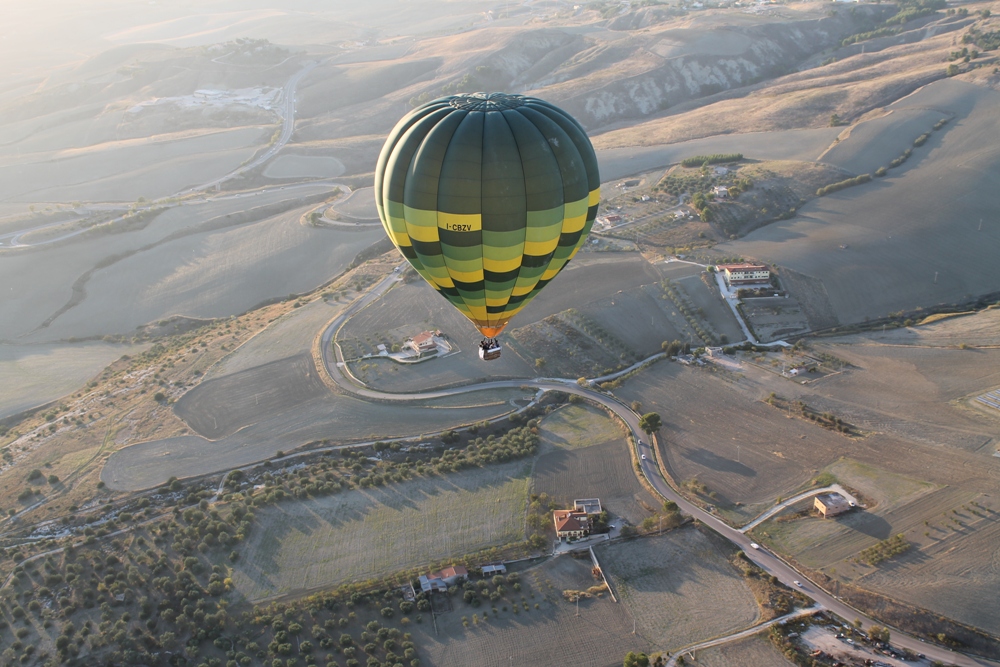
x: 721, y: 192
x: 440, y: 581
x: 745, y: 273
x: 831, y: 504
x: 424, y: 342
x: 571, y: 524
x: 609, y: 220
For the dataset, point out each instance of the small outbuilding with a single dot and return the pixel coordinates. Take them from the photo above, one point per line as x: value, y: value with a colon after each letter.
x: 440, y: 581
x: 831, y: 504
x: 588, y: 505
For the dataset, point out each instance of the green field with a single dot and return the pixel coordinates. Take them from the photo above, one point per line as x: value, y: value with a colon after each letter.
x: 363, y: 534
x: 580, y: 425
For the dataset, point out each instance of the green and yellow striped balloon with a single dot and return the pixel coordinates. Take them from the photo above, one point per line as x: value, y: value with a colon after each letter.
x: 488, y: 196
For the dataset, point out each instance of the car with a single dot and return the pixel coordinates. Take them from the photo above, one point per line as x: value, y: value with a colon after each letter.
x: 797, y: 583
x: 643, y: 457
x: 754, y: 545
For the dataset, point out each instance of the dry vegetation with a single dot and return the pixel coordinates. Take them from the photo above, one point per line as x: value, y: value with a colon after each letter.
x: 589, y: 459
x: 317, y: 544
x: 755, y: 650
x: 535, y: 625
x: 679, y: 587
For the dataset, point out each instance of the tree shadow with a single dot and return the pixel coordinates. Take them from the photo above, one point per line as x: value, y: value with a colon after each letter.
x: 709, y: 459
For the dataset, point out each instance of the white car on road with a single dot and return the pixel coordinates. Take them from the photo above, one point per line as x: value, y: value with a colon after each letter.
x: 754, y: 545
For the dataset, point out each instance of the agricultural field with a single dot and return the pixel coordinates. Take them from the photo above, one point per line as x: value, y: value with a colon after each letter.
x: 772, y: 318
x: 911, y: 384
x: 220, y: 407
x: 285, y: 337
x: 818, y: 542
x: 719, y: 433
x: 125, y: 171
x: 589, y: 281
x: 585, y: 455
x: 578, y: 425
x: 362, y: 534
x: 754, y: 650
x: 571, y: 344
x: 304, y: 166
x: 954, y: 569
x: 900, y: 242
x: 335, y: 418
x: 77, y: 286
x: 31, y: 375
x: 948, y: 568
x: 551, y: 633
x: 679, y: 587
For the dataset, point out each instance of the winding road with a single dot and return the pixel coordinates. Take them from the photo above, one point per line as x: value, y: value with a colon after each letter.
x: 769, y: 562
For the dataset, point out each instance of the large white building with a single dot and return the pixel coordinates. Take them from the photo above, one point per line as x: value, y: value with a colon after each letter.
x: 745, y: 273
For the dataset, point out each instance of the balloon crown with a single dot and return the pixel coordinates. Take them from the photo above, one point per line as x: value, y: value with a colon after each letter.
x: 486, y: 101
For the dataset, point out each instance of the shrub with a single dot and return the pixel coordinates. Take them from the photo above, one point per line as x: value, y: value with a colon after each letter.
x: 834, y: 187
x: 699, y: 160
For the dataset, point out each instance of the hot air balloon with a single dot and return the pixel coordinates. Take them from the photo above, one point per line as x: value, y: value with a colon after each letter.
x: 488, y: 196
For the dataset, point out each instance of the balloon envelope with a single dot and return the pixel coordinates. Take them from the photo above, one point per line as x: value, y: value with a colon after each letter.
x: 488, y: 196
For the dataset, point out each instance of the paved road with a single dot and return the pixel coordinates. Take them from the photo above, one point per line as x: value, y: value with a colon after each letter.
x: 287, y: 127
x: 766, y: 560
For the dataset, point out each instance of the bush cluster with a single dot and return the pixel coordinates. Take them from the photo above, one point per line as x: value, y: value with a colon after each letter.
x: 884, y: 550
x: 834, y: 187
x: 717, y: 158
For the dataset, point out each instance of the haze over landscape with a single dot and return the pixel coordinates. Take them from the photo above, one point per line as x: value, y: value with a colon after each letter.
x: 237, y: 428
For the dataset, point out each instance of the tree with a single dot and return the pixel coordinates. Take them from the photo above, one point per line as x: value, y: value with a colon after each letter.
x: 650, y: 423
x: 539, y: 363
x: 879, y: 633
x: 636, y: 660
x: 834, y: 120
x: 952, y: 70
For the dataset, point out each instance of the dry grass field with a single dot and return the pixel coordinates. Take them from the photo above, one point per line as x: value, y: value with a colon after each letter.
x: 915, y: 391
x: 588, y: 281
x: 211, y: 259
x: 679, y: 587
x: 224, y: 272
x: 585, y: 455
x: 876, y: 248
x: 721, y: 433
x: 221, y: 407
x: 361, y: 534
x: 338, y: 419
x: 755, y: 650
x: 597, y: 471
x: 953, y: 572
x: 551, y: 634
x: 579, y: 425
x: 31, y: 375
x: 285, y: 337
